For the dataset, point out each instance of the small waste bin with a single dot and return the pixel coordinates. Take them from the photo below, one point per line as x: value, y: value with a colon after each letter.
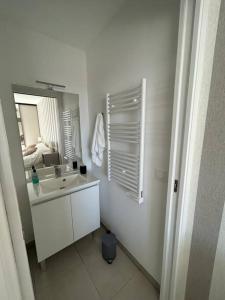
x: 109, y: 247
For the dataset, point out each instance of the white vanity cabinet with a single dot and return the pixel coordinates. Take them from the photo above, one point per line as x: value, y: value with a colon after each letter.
x: 52, y: 224
x: 85, y: 211
x: 61, y: 221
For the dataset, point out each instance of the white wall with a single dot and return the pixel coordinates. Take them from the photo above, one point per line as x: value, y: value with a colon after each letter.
x: 24, y: 58
x: 70, y: 101
x: 141, y: 41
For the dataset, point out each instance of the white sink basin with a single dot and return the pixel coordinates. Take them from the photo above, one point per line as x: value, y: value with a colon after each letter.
x: 60, y: 183
x: 48, y: 172
x: 52, y: 188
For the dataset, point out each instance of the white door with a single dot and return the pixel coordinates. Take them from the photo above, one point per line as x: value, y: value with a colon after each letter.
x: 53, y: 228
x: 9, y: 203
x: 85, y: 211
x: 9, y: 281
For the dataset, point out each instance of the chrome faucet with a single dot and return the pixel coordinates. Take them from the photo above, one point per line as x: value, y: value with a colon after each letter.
x: 57, y: 171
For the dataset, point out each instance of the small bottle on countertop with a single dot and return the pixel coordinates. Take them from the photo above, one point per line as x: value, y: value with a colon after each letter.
x: 75, y: 165
x: 35, y: 178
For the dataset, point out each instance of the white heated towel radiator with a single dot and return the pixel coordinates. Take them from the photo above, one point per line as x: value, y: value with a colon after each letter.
x: 67, y: 120
x: 125, y: 139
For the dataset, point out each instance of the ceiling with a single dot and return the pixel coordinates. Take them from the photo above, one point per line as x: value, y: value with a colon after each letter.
x: 75, y: 22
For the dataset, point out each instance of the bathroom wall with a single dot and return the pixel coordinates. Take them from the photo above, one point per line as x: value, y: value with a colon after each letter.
x: 70, y: 101
x: 25, y: 57
x: 141, y: 41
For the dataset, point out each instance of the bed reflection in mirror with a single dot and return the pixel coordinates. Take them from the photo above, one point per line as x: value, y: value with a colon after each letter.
x: 49, y: 130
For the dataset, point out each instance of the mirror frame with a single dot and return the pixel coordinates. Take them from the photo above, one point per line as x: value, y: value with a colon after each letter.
x: 34, y: 91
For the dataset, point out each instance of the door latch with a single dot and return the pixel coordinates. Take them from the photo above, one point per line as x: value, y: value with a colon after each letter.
x: 175, y: 188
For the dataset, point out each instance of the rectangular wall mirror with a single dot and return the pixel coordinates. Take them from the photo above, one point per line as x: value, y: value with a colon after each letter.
x: 49, y: 129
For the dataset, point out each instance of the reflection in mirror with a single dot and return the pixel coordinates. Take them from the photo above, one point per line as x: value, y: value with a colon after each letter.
x: 49, y: 131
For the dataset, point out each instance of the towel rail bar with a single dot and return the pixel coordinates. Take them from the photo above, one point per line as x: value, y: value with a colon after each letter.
x: 131, y: 182
x: 124, y: 109
x: 124, y: 154
x: 134, y: 102
x: 129, y: 136
x: 131, y: 186
x: 123, y: 173
x: 125, y: 133
x: 124, y: 185
x: 123, y: 140
x: 131, y: 160
x: 128, y: 160
x: 124, y: 164
x: 126, y: 99
x: 125, y: 124
x: 127, y: 128
x: 125, y: 170
x: 125, y: 93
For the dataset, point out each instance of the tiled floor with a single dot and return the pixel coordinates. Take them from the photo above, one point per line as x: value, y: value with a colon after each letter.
x: 79, y: 273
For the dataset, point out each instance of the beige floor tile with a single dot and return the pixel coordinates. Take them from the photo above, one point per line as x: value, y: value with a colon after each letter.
x: 88, y: 249
x: 57, y: 266
x: 44, y: 294
x: 89, y: 242
x: 108, y: 279
x: 68, y: 258
x: 80, y: 273
x: 71, y: 284
x: 79, y: 286
x: 138, y: 288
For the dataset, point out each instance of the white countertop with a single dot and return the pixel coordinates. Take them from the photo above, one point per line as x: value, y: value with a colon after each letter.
x: 36, y: 195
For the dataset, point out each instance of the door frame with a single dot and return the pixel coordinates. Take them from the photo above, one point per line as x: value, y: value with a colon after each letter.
x: 9, y: 280
x: 186, y: 148
x: 17, y: 272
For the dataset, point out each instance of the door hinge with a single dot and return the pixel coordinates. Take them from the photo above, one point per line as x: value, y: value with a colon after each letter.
x: 175, y: 188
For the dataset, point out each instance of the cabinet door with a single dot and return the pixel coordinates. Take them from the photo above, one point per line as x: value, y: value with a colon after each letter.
x: 85, y: 211
x: 53, y: 227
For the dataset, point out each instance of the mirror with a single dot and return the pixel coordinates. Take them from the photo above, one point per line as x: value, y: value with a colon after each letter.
x: 49, y: 129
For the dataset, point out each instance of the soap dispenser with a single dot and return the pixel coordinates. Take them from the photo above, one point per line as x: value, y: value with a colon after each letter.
x: 35, y: 178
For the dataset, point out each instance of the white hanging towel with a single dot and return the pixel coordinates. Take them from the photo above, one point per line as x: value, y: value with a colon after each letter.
x: 98, y: 143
